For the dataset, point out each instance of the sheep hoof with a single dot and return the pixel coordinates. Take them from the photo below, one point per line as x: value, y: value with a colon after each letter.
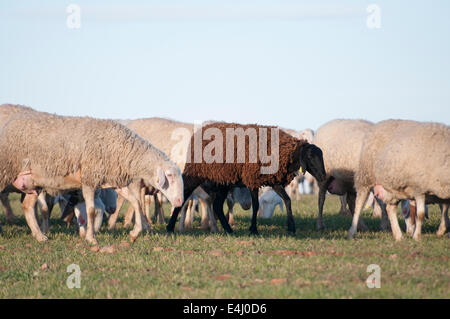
x: 127, y: 224
x: 92, y: 242
x: 440, y: 232
x: 320, y: 225
x: 345, y: 212
x: 11, y: 219
x: 41, y: 238
x: 170, y: 229
x: 45, y: 228
x: 350, y: 235
x: 362, y: 227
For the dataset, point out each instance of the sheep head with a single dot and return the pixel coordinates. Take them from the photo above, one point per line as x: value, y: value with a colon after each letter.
x: 169, y: 181
x: 311, y: 160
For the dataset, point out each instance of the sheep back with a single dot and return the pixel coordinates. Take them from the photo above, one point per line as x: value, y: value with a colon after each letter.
x: 341, y: 141
x: 415, y: 159
x: 105, y: 151
x: 249, y: 174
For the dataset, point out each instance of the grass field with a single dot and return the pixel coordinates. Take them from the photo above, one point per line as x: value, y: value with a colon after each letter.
x: 196, y: 264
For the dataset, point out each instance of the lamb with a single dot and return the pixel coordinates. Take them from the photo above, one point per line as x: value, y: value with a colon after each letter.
x: 72, y: 205
x: 104, y: 198
x: 242, y: 196
x: 60, y: 153
x: 386, y: 165
x: 341, y: 141
x: 236, y: 194
x: 268, y: 201
x: 217, y: 170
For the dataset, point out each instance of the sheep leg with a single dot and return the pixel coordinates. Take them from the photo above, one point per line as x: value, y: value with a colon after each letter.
x: 147, y: 204
x: 361, y: 199
x: 444, y: 220
x: 322, y: 194
x: 351, y: 198
x: 230, y: 214
x: 28, y: 207
x: 10, y: 217
x: 189, y: 216
x: 159, y: 211
x: 173, y: 219
x: 113, y: 218
x: 88, y: 195
x: 287, y: 202
x: 208, y: 219
x: 44, y: 212
x: 220, y: 197
x: 128, y: 221
x: 135, y: 191
x: 392, y: 214
x: 384, y: 223
x: 344, y: 200
x: 184, y: 212
x: 204, y: 223
x: 420, y: 209
x: 255, y: 208
x: 49, y: 200
x: 209, y: 215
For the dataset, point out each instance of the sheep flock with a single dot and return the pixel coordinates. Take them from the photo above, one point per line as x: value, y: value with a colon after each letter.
x: 90, y: 167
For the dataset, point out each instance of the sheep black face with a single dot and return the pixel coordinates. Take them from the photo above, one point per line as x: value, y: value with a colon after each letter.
x: 311, y: 160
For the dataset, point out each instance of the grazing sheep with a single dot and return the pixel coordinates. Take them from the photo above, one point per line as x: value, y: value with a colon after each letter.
x: 59, y: 153
x: 213, y: 164
x: 242, y: 196
x: 268, y: 201
x: 173, y: 138
x: 72, y: 205
x: 341, y: 141
x: 104, y: 198
x: 386, y: 165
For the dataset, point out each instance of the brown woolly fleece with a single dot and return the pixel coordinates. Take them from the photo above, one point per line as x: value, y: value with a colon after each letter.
x: 105, y: 151
x: 249, y: 174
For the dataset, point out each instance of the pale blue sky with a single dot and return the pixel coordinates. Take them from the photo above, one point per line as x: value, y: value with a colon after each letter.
x: 295, y: 64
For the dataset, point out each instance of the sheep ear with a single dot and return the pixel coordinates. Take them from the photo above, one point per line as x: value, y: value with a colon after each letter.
x: 161, y: 178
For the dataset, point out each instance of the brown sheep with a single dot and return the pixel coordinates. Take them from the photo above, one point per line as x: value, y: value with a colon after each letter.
x: 220, y: 171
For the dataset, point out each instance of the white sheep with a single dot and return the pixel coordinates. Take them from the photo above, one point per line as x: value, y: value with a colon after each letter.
x: 268, y: 201
x: 387, y: 167
x: 59, y: 153
x: 341, y: 142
